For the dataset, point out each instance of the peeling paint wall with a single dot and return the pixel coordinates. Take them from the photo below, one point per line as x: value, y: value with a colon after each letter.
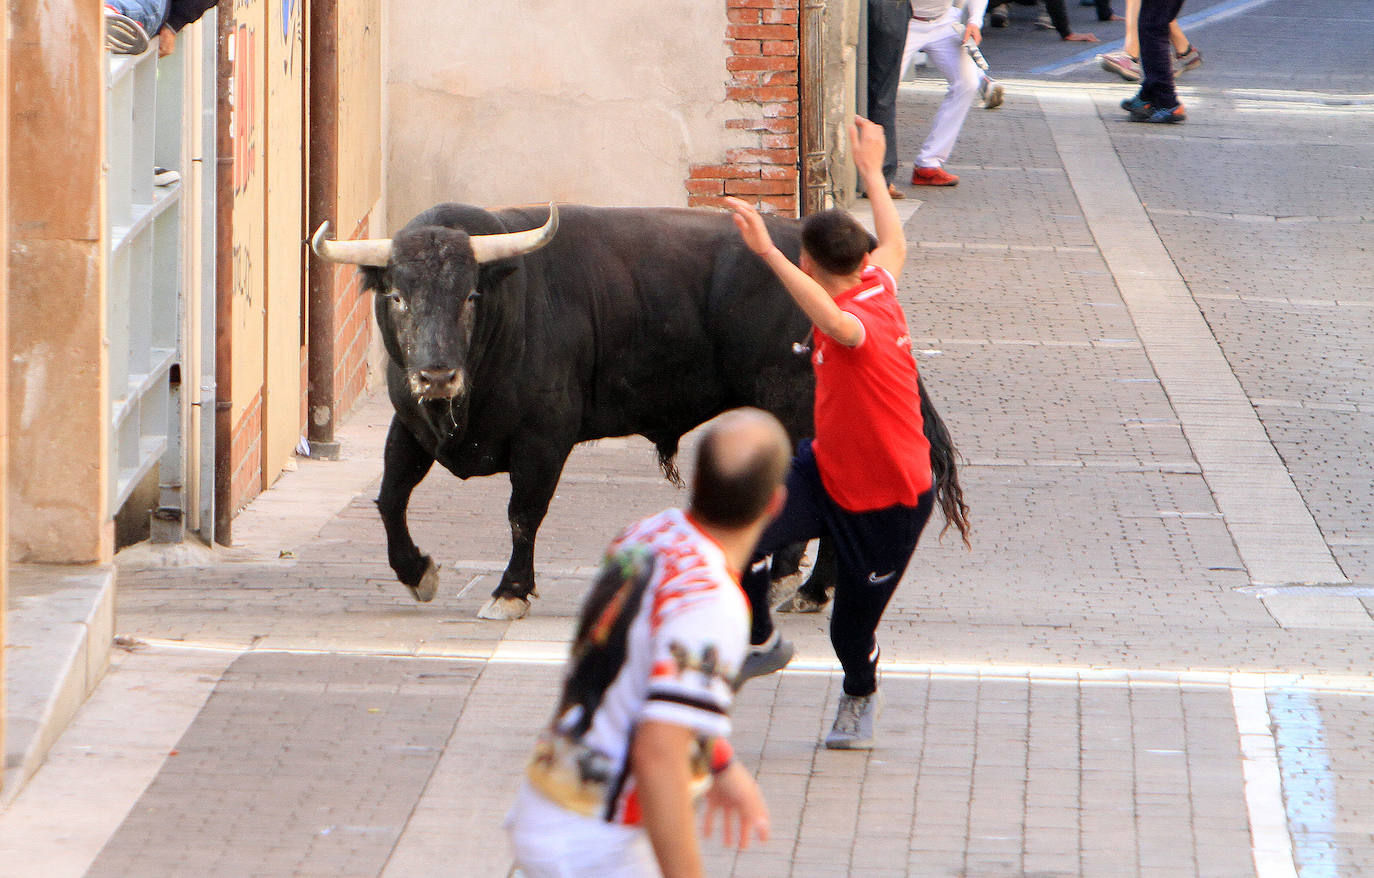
x: 523, y: 101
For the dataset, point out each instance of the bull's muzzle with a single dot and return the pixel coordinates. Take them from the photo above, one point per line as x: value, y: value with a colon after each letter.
x: 437, y: 383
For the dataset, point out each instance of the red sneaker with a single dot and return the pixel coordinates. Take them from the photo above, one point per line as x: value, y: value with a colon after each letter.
x: 933, y: 177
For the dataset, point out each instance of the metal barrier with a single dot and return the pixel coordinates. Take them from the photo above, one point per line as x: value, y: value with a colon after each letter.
x: 149, y: 308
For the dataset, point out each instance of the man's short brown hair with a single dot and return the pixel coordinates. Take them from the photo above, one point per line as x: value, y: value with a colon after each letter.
x: 741, y: 460
x: 836, y: 241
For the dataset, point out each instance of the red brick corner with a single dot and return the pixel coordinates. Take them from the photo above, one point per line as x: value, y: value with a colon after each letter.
x: 762, y: 68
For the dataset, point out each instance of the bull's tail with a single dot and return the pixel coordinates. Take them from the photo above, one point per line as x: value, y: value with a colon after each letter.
x: 944, y: 468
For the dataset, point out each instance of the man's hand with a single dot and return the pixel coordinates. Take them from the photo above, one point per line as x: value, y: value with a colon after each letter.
x: 737, y: 798
x: 973, y: 32
x: 166, y: 42
x: 750, y: 226
x: 868, y: 144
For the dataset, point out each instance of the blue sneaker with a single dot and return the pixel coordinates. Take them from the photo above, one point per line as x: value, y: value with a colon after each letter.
x: 1165, y: 115
x: 1136, y: 104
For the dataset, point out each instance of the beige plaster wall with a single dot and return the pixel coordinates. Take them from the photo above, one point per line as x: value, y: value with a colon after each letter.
x: 517, y: 101
x: 841, y: 95
x: 57, y: 364
x: 4, y: 352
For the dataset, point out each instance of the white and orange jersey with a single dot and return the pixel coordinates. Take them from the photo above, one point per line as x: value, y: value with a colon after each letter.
x: 663, y: 638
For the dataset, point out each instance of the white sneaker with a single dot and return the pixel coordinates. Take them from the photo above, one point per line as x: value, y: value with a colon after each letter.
x: 854, y: 719
x: 991, y: 92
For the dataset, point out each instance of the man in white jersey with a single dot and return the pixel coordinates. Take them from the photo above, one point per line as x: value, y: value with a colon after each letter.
x: 643, y: 720
x: 940, y: 28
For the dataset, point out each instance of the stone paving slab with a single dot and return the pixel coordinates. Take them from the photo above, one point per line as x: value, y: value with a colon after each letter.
x: 296, y: 765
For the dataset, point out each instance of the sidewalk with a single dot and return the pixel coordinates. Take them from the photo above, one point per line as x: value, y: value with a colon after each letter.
x: 1156, y: 661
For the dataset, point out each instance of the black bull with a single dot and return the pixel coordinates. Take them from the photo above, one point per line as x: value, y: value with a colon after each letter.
x: 627, y: 321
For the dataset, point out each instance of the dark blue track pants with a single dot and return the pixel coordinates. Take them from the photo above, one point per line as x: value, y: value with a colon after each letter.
x: 873, y: 549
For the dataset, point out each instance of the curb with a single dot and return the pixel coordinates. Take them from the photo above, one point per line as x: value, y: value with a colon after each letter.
x: 60, y: 632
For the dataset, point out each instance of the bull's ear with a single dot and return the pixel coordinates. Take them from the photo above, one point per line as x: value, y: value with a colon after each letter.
x: 372, y: 278
x: 497, y: 272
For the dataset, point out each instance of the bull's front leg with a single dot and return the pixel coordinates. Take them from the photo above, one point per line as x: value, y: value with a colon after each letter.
x: 405, y: 464
x: 535, y: 468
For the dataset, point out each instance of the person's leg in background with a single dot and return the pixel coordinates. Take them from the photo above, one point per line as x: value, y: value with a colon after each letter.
x: 887, y: 27
x: 1157, y: 100
x: 948, y: 56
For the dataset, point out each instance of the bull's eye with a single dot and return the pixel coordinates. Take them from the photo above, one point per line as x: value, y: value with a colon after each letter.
x: 474, y: 296
x: 394, y: 297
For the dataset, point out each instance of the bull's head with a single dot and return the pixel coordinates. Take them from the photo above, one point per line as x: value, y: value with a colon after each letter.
x: 427, y: 278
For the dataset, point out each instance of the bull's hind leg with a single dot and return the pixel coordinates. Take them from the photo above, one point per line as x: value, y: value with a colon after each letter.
x: 535, y: 467
x: 814, y: 594
x: 405, y: 464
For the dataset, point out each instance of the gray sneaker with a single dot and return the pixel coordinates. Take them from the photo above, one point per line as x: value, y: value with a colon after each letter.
x: 854, y: 718
x: 1189, y: 60
x: 772, y: 655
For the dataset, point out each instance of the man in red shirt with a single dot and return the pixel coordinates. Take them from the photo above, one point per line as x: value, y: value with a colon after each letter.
x: 866, y: 478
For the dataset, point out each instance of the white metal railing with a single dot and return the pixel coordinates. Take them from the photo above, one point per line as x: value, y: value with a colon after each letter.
x: 144, y: 296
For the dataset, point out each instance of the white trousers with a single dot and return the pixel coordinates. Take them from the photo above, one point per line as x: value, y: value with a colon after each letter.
x: 553, y: 842
x: 940, y: 40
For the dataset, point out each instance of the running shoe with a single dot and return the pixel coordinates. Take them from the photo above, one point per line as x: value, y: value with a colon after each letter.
x: 932, y: 177
x: 1162, y: 115
x: 1189, y: 60
x: 854, y: 721
x: 765, y: 658
x: 992, y: 93
x: 1136, y: 105
x: 1121, y: 64
x: 123, y: 35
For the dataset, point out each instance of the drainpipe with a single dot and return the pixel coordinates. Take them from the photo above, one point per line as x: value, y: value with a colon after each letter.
x: 814, y: 176
x: 224, y: 278
x: 321, y: 205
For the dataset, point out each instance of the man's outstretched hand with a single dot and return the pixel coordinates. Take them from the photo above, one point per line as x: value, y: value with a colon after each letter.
x: 869, y: 145
x: 736, y: 797
x: 750, y: 226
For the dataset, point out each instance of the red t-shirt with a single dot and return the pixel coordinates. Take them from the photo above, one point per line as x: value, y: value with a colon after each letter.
x: 870, y: 445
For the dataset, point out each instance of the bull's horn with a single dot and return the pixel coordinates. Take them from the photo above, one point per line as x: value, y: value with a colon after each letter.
x: 489, y: 248
x: 376, y: 252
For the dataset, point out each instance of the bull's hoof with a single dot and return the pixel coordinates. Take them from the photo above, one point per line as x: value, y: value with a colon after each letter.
x: 801, y: 603
x: 504, y: 608
x: 782, y: 590
x: 428, y: 586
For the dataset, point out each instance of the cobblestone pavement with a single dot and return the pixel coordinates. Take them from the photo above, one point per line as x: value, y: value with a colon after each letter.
x: 1154, y: 350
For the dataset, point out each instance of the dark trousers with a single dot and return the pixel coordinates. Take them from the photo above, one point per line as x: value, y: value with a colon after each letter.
x: 873, y: 549
x: 1157, y: 53
x: 887, y: 21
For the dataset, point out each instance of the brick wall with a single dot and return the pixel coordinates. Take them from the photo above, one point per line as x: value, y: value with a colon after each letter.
x: 352, y: 332
x: 245, y: 483
x: 762, y: 79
